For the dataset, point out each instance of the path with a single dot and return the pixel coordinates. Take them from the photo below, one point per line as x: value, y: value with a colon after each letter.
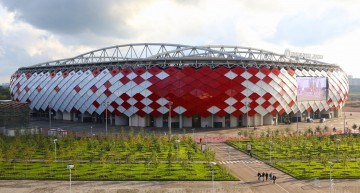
x: 246, y: 169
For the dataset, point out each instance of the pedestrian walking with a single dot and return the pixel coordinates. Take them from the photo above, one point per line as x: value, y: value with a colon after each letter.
x: 263, y: 176
x: 259, y: 175
x: 274, y: 179
x: 270, y: 175
x: 266, y: 176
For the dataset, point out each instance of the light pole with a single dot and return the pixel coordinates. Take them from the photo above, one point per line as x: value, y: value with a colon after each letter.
x: 338, y: 144
x: 228, y: 149
x: 177, y: 147
x: 170, y: 104
x: 91, y: 131
x: 270, y: 144
x: 247, y: 114
x: 50, y: 112
x: 70, y: 166
x: 212, y: 164
x: 55, y: 140
x: 106, y: 104
x: 297, y: 118
x: 331, y: 184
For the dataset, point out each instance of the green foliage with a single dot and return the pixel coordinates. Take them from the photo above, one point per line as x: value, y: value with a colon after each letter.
x: 4, y: 93
x: 307, y: 156
x: 133, y: 156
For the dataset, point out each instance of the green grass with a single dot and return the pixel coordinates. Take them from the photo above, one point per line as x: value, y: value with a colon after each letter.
x: 112, y: 171
x: 306, y: 157
x: 126, y: 157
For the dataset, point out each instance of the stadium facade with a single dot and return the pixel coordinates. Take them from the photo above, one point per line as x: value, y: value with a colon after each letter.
x: 202, y: 86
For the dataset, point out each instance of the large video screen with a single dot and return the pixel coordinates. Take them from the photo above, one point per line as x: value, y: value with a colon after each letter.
x: 312, y: 88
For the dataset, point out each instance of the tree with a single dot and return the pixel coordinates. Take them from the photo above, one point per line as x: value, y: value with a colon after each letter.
x: 169, y: 159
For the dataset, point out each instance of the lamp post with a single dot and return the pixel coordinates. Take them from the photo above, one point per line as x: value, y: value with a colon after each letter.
x: 331, y: 184
x: 297, y: 118
x: 170, y: 104
x: 270, y: 144
x: 338, y: 144
x: 106, y: 104
x: 55, y: 140
x: 50, y: 112
x: 228, y: 150
x: 177, y: 148
x: 212, y: 164
x: 91, y: 131
x: 247, y: 114
x: 70, y: 166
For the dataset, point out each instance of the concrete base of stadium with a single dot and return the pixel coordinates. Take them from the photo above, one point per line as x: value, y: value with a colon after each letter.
x: 181, y: 121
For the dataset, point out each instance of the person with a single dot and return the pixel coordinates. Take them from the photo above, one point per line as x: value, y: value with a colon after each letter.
x: 263, y: 176
x: 259, y: 175
x: 270, y: 175
x: 266, y: 176
x: 200, y: 140
x: 274, y: 179
x: 250, y: 154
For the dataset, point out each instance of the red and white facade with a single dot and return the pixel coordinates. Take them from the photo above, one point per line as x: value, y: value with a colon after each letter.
x: 201, y: 96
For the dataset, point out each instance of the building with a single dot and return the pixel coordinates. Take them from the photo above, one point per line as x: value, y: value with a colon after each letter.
x: 202, y: 86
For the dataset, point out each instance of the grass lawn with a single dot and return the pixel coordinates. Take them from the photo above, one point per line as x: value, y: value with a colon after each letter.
x: 307, y: 156
x: 125, y: 157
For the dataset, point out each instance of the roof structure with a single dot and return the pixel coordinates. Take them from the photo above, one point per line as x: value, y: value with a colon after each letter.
x: 163, y: 55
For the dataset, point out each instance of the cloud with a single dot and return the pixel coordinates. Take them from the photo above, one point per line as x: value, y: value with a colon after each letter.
x: 74, y: 17
x: 303, y: 29
x: 40, y: 30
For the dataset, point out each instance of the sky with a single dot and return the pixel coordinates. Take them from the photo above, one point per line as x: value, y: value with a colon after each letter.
x: 37, y: 31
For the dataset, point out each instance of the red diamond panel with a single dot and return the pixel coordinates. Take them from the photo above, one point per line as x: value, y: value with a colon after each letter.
x: 96, y: 72
x: 77, y: 88
x: 267, y: 79
x: 253, y: 70
x: 107, y: 92
x: 266, y: 104
x: 138, y: 80
x: 154, y: 70
x: 124, y: 97
x: 265, y: 70
x: 114, y: 71
x: 107, y: 84
x: 254, y: 79
x: 94, y: 88
x: 139, y: 71
x: 124, y: 80
x: 114, y: 104
x: 126, y: 71
x: 275, y: 71
x: 96, y: 104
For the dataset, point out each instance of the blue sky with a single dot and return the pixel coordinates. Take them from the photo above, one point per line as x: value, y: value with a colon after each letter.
x: 40, y: 30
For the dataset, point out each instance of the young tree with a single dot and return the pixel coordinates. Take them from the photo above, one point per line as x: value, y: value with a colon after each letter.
x: 169, y: 159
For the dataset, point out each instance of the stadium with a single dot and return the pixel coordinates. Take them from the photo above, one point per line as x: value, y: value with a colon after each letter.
x: 197, y: 86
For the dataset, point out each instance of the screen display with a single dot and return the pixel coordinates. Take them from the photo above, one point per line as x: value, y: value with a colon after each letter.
x: 312, y: 88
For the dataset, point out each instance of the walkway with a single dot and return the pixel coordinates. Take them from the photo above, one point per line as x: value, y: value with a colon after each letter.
x: 246, y: 169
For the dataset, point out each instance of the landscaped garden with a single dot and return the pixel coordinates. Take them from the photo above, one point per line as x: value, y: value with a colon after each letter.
x: 125, y: 156
x: 307, y: 155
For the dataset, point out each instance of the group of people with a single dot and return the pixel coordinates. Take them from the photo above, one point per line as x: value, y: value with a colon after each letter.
x: 265, y: 176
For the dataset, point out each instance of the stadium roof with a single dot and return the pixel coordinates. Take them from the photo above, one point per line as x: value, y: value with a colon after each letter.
x: 164, y: 55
